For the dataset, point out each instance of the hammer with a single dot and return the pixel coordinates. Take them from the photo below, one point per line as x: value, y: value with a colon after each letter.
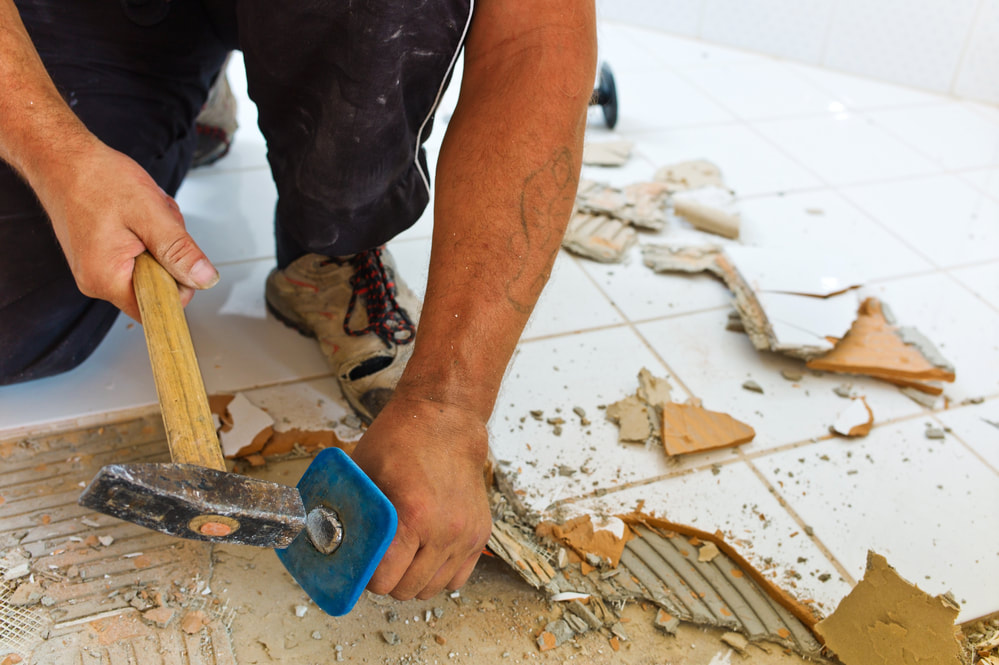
x: 330, y: 531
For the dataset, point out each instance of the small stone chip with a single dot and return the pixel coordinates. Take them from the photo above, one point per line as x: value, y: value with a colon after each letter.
x: 316, y: 635
x: 390, y: 637
x: 825, y: 577
x: 736, y: 641
x: 440, y: 639
x: 537, y: 414
x: 935, y: 433
x: 707, y: 552
x: 844, y: 390
x: 391, y: 616
x: 666, y: 622
x: 792, y: 374
x: 438, y: 612
x: 193, y: 621
x: 752, y: 386
x: 105, y: 540
x: 300, y: 610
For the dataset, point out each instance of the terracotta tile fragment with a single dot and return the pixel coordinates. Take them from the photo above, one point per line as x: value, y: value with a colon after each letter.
x: 688, y: 429
x: 874, y: 347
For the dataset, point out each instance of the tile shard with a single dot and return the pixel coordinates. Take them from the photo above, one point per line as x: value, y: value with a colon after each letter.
x: 687, y: 429
x: 631, y: 415
x: 886, y: 620
x: 693, y: 174
x: 247, y: 426
x: 599, y: 237
x: 607, y: 153
x: 875, y: 347
x: 710, y: 209
x: 855, y: 421
x: 641, y: 204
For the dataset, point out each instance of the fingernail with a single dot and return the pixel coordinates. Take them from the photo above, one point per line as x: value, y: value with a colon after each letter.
x: 204, y: 275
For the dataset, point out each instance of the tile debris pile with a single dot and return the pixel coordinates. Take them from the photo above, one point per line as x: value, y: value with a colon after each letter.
x: 592, y: 566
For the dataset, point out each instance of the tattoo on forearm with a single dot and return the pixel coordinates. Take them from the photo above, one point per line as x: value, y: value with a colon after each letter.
x: 545, y: 203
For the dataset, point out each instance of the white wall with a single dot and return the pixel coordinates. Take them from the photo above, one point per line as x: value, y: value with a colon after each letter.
x: 948, y: 46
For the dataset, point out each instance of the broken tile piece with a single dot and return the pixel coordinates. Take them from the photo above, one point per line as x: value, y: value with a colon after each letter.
x: 692, y: 174
x: 631, y: 415
x: 607, y: 153
x: 885, y: 620
x: 855, y: 421
x: 689, y: 429
x: 652, y: 389
x: 642, y: 204
x: 251, y: 427
x: 710, y: 209
x: 599, y: 237
x: 666, y: 622
x: 605, y: 540
x: 736, y: 641
x: 752, y: 386
x: 707, y: 552
x: 874, y: 347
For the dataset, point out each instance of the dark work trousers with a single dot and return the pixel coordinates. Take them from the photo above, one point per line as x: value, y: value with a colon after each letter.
x: 345, y: 91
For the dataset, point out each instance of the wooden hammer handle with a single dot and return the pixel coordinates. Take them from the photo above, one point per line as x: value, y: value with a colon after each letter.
x: 189, y: 427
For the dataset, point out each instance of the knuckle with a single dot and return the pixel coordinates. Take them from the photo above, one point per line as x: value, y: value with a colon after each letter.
x: 179, y: 251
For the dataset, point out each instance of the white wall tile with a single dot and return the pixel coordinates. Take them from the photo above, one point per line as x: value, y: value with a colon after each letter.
x: 677, y: 16
x: 978, y: 76
x: 914, y: 42
x: 788, y: 28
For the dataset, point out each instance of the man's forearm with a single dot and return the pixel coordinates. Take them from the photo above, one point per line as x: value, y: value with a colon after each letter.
x: 507, y: 177
x: 38, y: 130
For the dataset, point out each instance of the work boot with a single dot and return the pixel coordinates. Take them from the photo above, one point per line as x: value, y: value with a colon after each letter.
x: 216, y: 123
x: 363, y: 315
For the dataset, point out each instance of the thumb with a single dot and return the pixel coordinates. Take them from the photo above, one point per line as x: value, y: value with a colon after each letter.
x: 174, y: 249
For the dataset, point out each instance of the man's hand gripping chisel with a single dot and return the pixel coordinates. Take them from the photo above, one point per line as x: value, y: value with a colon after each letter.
x: 330, y: 533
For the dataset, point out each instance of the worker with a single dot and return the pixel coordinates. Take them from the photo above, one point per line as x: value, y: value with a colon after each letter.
x: 97, y: 112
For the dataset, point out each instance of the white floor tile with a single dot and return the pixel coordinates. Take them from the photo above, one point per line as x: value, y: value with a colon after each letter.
x: 846, y: 148
x: 749, y: 164
x: 822, y: 222
x: 554, y: 376
x: 915, y: 501
x: 949, y: 133
x: 230, y: 214
x: 412, y: 258
x: 714, y: 363
x: 860, y: 93
x: 239, y: 346
x: 977, y: 425
x: 311, y: 405
x: 643, y: 294
x: 570, y: 303
x: 956, y: 321
x: 637, y: 169
x: 672, y: 50
x: 944, y: 218
x: 982, y: 279
x: 732, y: 499
x: 986, y: 180
x: 763, y: 90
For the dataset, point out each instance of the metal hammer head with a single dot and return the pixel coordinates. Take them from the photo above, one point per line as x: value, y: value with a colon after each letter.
x: 336, y: 525
x: 195, y: 502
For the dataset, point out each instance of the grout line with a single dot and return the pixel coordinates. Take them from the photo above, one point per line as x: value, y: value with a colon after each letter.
x: 809, y: 532
x: 936, y: 416
x: 965, y: 47
x: 968, y: 288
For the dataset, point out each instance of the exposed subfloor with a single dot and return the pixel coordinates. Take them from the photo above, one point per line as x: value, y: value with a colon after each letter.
x: 904, y: 182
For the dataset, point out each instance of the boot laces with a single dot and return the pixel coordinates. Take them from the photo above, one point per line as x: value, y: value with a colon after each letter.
x: 385, y: 317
